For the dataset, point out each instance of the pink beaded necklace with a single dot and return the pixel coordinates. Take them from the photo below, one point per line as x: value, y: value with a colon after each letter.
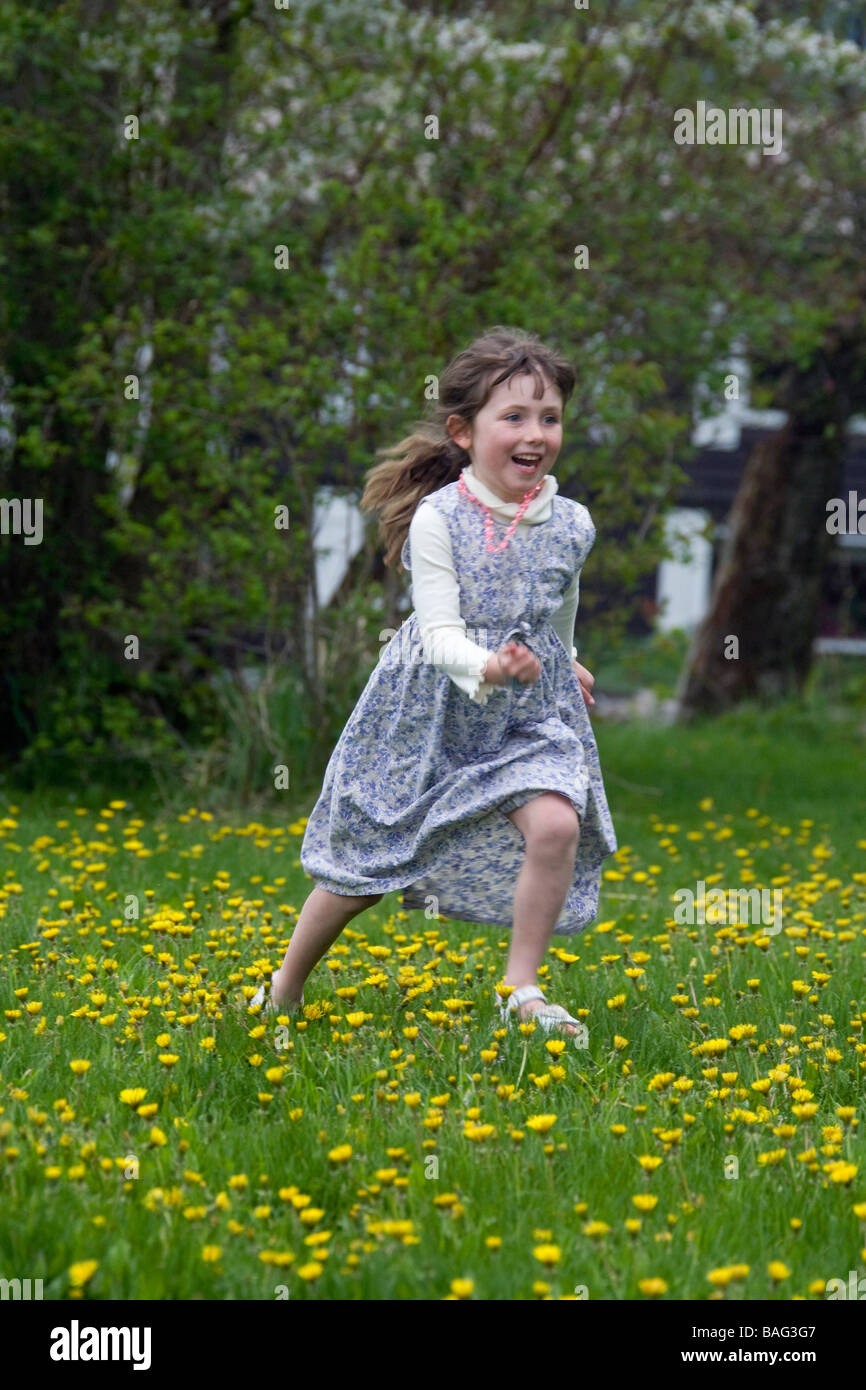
x: 488, y: 515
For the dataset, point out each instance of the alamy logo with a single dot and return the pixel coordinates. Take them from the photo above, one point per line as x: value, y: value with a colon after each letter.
x: 20, y: 1288
x: 735, y: 906
x: 401, y: 648
x: 856, y: 1288
x: 846, y: 520
x: 101, y: 1344
x: 22, y: 518
x: 741, y: 125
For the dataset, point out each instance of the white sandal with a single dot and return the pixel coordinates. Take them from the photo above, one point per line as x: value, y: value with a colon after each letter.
x: 551, y: 1017
x: 269, y: 1008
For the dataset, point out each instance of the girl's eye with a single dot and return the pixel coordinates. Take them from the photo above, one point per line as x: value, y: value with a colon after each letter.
x: 515, y: 416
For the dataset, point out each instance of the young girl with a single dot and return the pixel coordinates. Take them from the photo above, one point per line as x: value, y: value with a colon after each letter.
x: 468, y: 774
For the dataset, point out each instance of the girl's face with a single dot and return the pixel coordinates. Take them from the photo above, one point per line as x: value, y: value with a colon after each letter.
x: 513, y: 424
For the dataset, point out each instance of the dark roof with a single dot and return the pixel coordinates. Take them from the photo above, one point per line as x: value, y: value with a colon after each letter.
x: 714, y: 474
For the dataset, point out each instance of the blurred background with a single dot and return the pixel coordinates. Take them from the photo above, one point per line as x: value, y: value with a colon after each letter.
x: 241, y: 241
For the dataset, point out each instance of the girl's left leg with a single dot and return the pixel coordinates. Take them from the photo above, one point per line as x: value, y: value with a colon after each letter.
x: 549, y: 824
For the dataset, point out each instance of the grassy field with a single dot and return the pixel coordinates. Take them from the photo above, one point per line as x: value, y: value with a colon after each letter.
x: 159, y: 1141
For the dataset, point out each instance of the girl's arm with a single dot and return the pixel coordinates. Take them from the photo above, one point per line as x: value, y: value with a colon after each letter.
x: 563, y: 622
x: 563, y: 619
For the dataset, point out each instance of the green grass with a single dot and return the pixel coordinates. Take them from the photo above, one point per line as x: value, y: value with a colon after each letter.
x: 786, y: 791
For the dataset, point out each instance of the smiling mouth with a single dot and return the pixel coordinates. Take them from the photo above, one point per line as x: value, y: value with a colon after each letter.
x: 526, y: 465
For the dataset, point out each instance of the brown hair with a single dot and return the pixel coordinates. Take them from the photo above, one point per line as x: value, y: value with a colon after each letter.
x: 428, y: 458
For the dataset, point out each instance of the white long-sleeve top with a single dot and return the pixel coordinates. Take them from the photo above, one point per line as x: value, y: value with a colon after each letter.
x: 436, y: 592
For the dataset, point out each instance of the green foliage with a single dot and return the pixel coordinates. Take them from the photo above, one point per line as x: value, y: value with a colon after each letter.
x: 156, y: 259
x: 638, y: 663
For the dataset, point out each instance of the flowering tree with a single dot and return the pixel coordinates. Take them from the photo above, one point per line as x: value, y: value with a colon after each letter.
x: 243, y: 241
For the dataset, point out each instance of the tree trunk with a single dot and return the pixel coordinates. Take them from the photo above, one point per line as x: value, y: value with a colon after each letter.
x: 756, y: 639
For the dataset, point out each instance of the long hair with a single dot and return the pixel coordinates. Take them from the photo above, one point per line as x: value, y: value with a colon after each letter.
x: 428, y: 458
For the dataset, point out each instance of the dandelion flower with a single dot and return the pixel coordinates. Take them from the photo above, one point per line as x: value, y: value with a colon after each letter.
x: 134, y: 1095
x: 310, y: 1215
x: 649, y: 1162
x: 652, y: 1288
x: 541, y: 1123
x: 548, y: 1254
x: 462, y: 1288
x: 644, y: 1201
x: 843, y: 1172
x: 81, y: 1271
x: 478, y: 1132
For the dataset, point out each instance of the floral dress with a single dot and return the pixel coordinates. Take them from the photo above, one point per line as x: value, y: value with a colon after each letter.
x: 415, y: 791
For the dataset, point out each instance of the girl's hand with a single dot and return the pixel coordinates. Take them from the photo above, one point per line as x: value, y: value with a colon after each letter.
x: 518, y: 661
x: 587, y: 681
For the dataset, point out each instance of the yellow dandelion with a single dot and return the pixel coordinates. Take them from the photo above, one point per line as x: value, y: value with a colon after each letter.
x: 478, y: 1133
x: 541, y: 1123
x: 653, y: 1288
x: 843, y: 1172
x: 310, y: 1215
x: 547, y: 1254
x: 134, y: 1095
x: 462, y: 1288
x: 644, y: 1201
x: 649, y: 1162
x: 81, y: 1271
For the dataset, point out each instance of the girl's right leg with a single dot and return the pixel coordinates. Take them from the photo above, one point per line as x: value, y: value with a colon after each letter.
x: 322, y: 918
x: 550, y: 826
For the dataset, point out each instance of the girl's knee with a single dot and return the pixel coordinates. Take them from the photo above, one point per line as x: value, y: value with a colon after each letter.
x: 548, y: 822
x: 557, y: 824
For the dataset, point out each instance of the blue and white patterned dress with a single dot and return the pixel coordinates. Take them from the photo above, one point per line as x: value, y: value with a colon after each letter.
x: 415, y: 791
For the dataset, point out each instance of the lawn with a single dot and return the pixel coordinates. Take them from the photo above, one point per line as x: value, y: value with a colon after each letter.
x: 159, y: 1141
